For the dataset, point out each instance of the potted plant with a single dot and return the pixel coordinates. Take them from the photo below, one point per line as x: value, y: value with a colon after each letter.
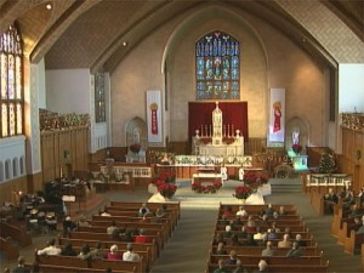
x: 242, y: 192
x: 135, y: 148
x: 167, y: 190
x: 297, y: 148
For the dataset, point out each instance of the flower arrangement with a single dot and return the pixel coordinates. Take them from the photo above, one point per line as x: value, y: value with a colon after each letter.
x: 297, y: 148
x: 167, y: 189
x: 255, y: 179
x: 165, y: 184
x: 242, y: 192
x: 135, y: 148
x: 211, y: 188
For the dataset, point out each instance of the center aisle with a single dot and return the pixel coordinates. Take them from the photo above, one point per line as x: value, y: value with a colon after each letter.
x: 187, y: 251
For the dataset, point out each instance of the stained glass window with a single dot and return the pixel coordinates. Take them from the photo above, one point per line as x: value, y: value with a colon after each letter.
x: 11, y: 83
x: 217, y: 67
x: 100, y: 109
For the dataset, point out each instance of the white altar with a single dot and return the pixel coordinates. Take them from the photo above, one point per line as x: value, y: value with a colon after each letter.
x: 216, y: 146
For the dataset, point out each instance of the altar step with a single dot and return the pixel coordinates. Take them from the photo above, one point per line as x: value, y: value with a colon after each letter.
x: 286, y: 185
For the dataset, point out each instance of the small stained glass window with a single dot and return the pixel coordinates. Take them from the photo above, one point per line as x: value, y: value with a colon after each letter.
x: 100, y: 108
x: 217, y: 67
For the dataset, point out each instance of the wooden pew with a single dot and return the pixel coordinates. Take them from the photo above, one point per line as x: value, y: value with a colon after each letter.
x: 362, y: 255
x: 10, y: 250
x: 256, y: 250
x: 305, y: 235
x: 353, y: 242
x: 149, y: 248
x: 272, y: 260
x: 173, y: 206
x: 156, y: 239
x: 136, y: 267
x: 47, y: 268
x: 16, y: 233
x: 162, y: 236
x: 289, y: 209
x: 287, y: 268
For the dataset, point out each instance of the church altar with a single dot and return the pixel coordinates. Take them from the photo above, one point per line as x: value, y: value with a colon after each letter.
x: 218, y: 139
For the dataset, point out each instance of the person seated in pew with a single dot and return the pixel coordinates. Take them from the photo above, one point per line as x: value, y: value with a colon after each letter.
x: 262, y: 267
x: 233, y: 258
x: 330, y: 199
x: 161, y: 211
x: 141, y: 238
x: 129, y: 255
x: 51, y: 221
x: 97, y: 253
x: 82, y: 222
x: 239, y: 268
x: 235, y: 240
x: 263, y: 221
x: 85, y: 252
x: 50, y: 249
x: 360, y: 230
x: 228, y: 232
x: 112, y: 228
x: 299, y: 240
x: 355, y: 211
x: 271, y: 234
x: 357, y: 224
x: 361, y: 197
x: 220, y: 250
x: 269, y: 210
x: 250, y: 240
x: 221, y: 267
x: 268, y: 251
x: 282, y: 211
x: 274, y: 227
x: 348, y: 200
x: 251, y: 225
x: 68, y: 226
x: 234, y: 225
x: 241, y: 212
x: 260, y: 237
x: 105, y: 213
x: 68, y: 250
x: 224, y: 220
x: 20, y: 268
x: 228, y: 212
x: 242, y: 234
x: 144, y: 210
x: 295, y: 251
x: 287, y: 230
x: 219, y: 238
x: 113, y: 254
x: 285, y: 243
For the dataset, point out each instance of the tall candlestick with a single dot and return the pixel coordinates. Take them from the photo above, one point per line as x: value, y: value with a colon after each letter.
x: 210, y: 130
x: 228, y: 129
x: 206, y: 130
x: 224, y: 133
x: 232, y: 130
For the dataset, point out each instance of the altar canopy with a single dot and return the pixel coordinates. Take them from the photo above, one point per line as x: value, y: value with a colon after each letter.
x: 235, y: 115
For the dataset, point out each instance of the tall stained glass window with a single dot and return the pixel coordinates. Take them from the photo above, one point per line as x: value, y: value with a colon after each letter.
x: 11, y: 83
x: 217, y: 67
x: 100, y: 108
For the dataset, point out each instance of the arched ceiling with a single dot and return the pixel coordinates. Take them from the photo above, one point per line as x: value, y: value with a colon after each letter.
x: 90, y: 33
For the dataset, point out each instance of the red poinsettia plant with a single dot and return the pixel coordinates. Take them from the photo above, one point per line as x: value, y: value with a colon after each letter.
x: 211, y: 188
x: 242, y: 192
x: 255, y: 179
x: 167, y: 189
x: 135, y: 148
x: 165, y: 184
x: 297, y: 148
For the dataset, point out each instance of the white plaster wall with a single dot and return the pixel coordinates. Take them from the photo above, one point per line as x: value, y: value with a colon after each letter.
x: 351, y: 88
x: 68, y: 90
x: 12, y: 150
x: 42, y: 103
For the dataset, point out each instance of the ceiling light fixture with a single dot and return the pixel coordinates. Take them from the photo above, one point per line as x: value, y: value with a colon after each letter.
x: 49, y: 6
x: 125, y: 43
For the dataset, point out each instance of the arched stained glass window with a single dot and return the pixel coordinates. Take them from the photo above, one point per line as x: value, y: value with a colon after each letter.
x: 11, y: 83
x: 217, y: 67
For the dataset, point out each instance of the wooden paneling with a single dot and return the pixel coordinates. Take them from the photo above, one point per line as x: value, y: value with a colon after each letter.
x: 352, y: 159
x: 255, y: 146
x: 99, y: 156
x: 314, y: 155
x: 8, y: 189
x: 66, y: 149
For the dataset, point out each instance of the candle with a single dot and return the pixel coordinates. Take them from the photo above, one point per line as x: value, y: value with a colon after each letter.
x: 224, y: 133
x: 228, y: 129
x: 206, y: 130
x: 232, y: 129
